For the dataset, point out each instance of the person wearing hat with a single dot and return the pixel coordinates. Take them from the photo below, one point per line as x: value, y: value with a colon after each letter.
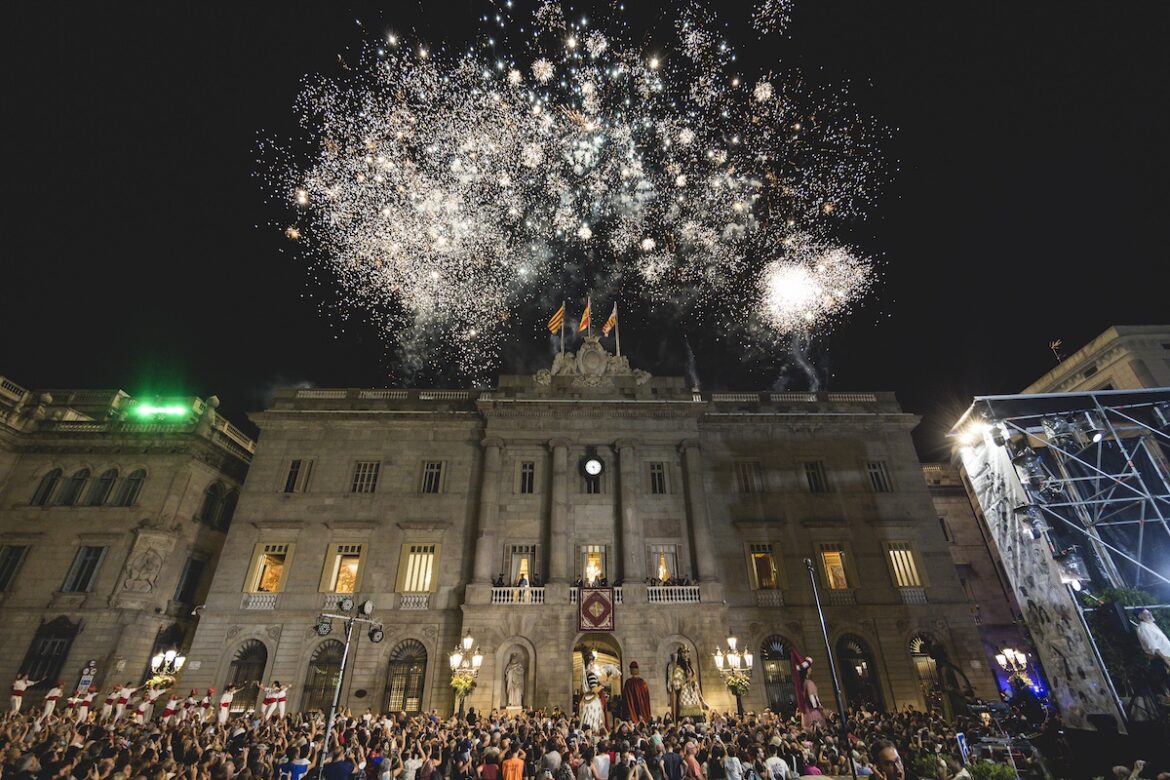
x: 636, y: 695
x: 807, y: 701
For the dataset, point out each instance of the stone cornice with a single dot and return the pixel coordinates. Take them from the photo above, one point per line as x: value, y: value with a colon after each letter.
x: 423, y: 525
x: 272, y: 524
x: 352, y: 525
x: 823, y: 522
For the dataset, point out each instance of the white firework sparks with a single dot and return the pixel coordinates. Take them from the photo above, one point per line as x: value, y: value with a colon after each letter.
x: 450, y: 192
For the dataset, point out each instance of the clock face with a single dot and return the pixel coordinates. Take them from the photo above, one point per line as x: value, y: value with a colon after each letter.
x: 593, y: 467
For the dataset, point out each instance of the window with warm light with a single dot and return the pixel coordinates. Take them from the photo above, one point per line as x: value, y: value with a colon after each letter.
x: 417, y: 568
x: 833, y: 566
x: 522, y: 563
x: 664, y: 562
x: 903, y: 565
x: 593, y: 562
x: 764, y: 572
x: 343, y: 565
x: 270, y: 564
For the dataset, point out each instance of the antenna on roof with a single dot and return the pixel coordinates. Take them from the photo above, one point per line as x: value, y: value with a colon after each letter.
x: 1055, y: 347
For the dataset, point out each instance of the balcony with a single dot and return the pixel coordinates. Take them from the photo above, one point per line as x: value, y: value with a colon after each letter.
x: 841, y: 598
x: 259, y: 601
x: 913, y: 595
x: 525, y: 596
x: 414, y: 601
x: 617, y: 595
x: 672, y: 594
x: 769, y: 598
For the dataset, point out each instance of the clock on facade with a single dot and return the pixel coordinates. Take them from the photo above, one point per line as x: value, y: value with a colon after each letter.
x: 593, y: 467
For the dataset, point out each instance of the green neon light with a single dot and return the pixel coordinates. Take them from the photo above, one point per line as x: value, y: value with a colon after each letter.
x: 147, y: 410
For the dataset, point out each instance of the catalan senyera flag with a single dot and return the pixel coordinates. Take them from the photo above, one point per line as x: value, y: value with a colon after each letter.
x: 611, y: 323
x: 584, y: 324
x: 557, y: 320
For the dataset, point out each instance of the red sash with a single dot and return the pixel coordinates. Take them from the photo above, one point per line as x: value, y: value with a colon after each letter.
x: 17, y: 693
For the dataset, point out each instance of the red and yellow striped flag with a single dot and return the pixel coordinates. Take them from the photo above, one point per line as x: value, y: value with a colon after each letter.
x: 557, y: 320
x: 584, y: 324
x: 611, y: 323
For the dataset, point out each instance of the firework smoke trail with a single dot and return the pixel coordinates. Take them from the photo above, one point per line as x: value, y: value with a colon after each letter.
x: 798, y: 352
x: 454, y: 195
x: 692, y: 366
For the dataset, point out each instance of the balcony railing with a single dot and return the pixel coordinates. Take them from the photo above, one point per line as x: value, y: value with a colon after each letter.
x: 672, y: 594
x: 617, y: 595
x: 841, y: 598
x: 259, y: 601
x: 913, y: 595
x: 414, y: 601
x: 518, y: 595
x: 769, y: 598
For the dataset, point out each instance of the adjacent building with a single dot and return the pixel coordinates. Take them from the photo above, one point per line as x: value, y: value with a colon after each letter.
x: 485, y: 513
x: 1124, y: 357
x: 113, y: 512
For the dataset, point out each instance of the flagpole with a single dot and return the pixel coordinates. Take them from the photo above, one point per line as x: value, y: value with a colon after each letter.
x: 589, y: 308
x: 617, y: 329
x: 563, y: 327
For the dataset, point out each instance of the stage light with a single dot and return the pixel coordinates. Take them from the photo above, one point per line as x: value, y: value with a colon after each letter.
x: 1000, y: 434
x: 1032, y: 517
x: 1059, y: 431
x: 1091, y: 428
x: 1072, y: 567
x: 973, y: 432
x: 1031, y: 469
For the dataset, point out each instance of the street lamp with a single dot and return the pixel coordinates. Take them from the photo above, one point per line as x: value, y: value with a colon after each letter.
x: 464, y: 668
x: 1014, y: 663
x: 736, y: 669
x: 351, y: 614
x: 167, y: 664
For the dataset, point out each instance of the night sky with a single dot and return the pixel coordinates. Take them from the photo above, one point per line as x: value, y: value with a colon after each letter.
x: 141, y: 252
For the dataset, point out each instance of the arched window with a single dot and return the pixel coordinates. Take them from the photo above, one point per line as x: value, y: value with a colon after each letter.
x: 49, y: 647
x: 778, y: 685
x: 46, y: 488
x: 130, y: 488
x: 212, y: 505
x: 408, y: 672
x: 926, y: 669
x: 324, y: 672
x: 70, y: 492
x: 228, y: 510
x: 100, y: 490
x: 247, y: 669
x: 859, y: 674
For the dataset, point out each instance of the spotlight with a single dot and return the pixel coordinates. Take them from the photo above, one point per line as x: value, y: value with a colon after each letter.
x: 346, y: 604
x: 323, y: 628
x: 1031, y: 469
x: 1033, y: 517
x: 1091, y: 428
x: 1072, y: 567
x: 1000, y: 434
x: 377, y: 635
x: 1059, y: 431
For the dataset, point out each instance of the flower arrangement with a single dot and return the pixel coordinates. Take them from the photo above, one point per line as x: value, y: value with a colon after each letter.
x: 462, y: 685
x: 739, y: 684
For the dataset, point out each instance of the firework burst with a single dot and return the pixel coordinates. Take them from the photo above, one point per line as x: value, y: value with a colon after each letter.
x: 453, y: 192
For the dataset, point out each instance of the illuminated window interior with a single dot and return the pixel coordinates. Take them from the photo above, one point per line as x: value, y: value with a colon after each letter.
x: 902, y: 562
x: 664, y: 562
x: 764, y: 567
x: 420, y: 566
x: 270, y: 571
x: 834, y: 563
x: 523, y: 563
x: 594, y: 562
x: 345, y: 567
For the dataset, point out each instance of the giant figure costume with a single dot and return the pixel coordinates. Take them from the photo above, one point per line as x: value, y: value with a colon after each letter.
x: 636, y: 695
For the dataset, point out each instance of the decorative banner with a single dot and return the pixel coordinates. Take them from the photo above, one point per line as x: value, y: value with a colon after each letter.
x: 595, y: 607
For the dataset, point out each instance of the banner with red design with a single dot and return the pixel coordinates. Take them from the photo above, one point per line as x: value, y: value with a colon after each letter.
x: 595, y: 609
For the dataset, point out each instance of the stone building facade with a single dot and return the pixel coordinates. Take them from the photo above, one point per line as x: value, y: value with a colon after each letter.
x: 112, y: 516
x: 1124, y: 357
x: 463, y: 512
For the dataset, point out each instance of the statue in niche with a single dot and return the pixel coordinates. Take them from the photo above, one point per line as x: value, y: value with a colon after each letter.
x: 514, y: 681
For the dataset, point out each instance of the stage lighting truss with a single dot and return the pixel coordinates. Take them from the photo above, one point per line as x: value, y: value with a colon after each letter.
x: 1097, y: 477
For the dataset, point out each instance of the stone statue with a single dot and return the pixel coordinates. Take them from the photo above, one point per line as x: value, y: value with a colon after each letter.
x: 142, y: 571
x: 514, y: 682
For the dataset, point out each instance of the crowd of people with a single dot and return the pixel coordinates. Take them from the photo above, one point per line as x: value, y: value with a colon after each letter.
x: 201, y: 741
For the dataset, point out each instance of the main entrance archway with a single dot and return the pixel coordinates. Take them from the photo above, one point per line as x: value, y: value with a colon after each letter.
x: 778, y: 686
x: 608, y: 653
x: 859, y: 676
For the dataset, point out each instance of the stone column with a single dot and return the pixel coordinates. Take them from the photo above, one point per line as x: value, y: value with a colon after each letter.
x: 697, y: 515
x: 487, y: 545
x: 633, y: 556
x: 558, y: 521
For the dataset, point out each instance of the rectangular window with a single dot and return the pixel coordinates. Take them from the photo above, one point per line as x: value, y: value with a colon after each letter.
x: 189, y: 580
x: 658, y: 479
x: 593, y: 563
x: 816, y: 476
x: 528, y: 477
x: 522, y: 560
x: 365, y: 476
x: 297, y: 480
x: 592, y: 484
x: 748, y: 477
x: 664, y: 562
x: 269, y: 570
x: 903, y: 565
x: 764, y: 572
x: 946, y: 529
x: 879, y: 476
x: 416, y: 569
x: 84, y: 570
x: 833, y: 565
x: 11, y: 557
x: 343, y: 568
x: 432, y: 477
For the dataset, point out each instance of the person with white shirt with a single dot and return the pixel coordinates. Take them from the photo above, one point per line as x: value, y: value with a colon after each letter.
x: 51, y: 699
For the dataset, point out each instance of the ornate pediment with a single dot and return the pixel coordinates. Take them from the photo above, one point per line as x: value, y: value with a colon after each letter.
x: 591, y: 366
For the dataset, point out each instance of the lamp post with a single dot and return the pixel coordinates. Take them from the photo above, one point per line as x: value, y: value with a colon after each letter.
x: 167, y: 664
x: 812, y: 577
x: 324, y: 625
x: 464, y: 668
x: 1014, y: 662
x: 736, y: 669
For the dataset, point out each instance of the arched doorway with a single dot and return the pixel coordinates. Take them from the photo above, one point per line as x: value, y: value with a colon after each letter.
x: 245, y: 671
x: 407, y: 680
x: 778, y: 686
x: 859, y: 675
x: 608, y: 653
x: 926, y: 670
x: 324, y: 672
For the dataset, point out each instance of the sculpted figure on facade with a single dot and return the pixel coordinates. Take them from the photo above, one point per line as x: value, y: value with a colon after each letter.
x: 142, y: 571
x: 514, y: 675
